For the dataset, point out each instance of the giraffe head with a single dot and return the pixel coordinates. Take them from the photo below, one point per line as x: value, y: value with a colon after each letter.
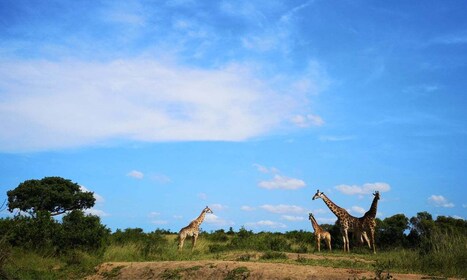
x: 311, y: 217
x: 376, y: 194
x: 318, y: 194
x: 208, y: 210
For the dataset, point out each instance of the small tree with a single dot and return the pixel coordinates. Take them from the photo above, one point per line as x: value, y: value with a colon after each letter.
x: 52, y: 194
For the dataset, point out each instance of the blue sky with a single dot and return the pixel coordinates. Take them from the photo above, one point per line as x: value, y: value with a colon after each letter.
x: 163, y: 107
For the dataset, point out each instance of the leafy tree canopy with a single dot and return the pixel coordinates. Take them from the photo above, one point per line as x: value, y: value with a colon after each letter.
x: 52, y: 194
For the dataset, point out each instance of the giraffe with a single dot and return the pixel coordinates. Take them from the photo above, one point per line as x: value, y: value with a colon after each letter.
x: 320, y: 233
x: 368, y: 222
x: 347, y: 222
x: 192, y: 229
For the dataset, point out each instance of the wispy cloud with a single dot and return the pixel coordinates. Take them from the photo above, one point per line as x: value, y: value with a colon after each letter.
x: 160, y: 178
x: 217, y: 207
x: 292, y: 218
x: 96, y: 212
x: 330, y: 138
x: 154, y: 218
x: 265, y: 224
x: 215, y: 220
x: 440, y: 201
x: 247, y: 208
x: 307, y: 120
x: 278, y: 181
x: 135, y: 174
x: 202, y: 196
x: 283, y: 209
x: 365, y: 189
x: 357, y: 210
x: 282, y: 182
x: 132, y: 99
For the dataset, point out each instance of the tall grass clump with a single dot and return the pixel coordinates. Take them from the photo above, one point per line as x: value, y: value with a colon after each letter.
x: 445, y: 252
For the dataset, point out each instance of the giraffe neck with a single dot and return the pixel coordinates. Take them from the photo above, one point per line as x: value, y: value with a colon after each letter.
x: 338, y: 211
x: 373, y: 208
x: 200, y: 219
x: 315, y: 225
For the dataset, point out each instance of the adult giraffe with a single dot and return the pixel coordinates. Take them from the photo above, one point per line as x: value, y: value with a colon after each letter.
x: 347, y: 222
x: 192, y: 229
x: 368, y: 221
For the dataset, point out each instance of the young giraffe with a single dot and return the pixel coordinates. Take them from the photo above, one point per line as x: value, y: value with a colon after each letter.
x: 192, y: 229
x: 368, y: 221
x: 320, y: 233
x: 347, y: 222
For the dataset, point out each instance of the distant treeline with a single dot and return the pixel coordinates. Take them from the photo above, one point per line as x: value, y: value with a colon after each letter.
x: 86, y: 232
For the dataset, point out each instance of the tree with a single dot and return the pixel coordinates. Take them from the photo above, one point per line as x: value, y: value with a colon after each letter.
x: 52, y: 194
x: 391, y: 230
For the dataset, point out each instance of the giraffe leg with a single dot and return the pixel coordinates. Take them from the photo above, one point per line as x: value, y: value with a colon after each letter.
x: 318, y: 242
x: 180, y: 244
x: 328, y: 241
x: 372, y: 237
x: 347, y: 241
x: 365, y: 236
x: 195, y: 237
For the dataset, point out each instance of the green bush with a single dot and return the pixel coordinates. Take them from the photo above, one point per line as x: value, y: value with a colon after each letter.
x: 79, y: 231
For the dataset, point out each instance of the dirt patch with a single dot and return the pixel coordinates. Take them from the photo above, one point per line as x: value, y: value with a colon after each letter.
x: 228, y: 270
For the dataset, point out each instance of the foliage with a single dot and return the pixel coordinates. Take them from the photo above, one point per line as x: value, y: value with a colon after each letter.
x: 52, y: 194
x: 391, y: 231
x: 79, y: 231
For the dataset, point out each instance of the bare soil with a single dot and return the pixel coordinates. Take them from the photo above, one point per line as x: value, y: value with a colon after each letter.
x: 230, y: 269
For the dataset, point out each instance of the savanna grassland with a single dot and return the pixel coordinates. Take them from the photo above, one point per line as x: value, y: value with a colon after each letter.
x: 42, y: 248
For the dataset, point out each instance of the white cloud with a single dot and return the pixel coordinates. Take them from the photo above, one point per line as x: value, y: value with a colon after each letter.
x: 282, y: 182
x: 247, y: 208
x: 330, y: 221
x: 265, y: 223
x: 135, y: 174
x: 357, y: 210
x: 307, y: 120
x: 136, y: 100
x: 202, y: 196
x: 266, y: 170
x: 283, y: 209
x: 292, y: 218
x: 96, y: 212
x: 153, y: 214
x: 365, y: 189
x: 217, y: 207
x: 215, y: 220
x: 440, y: 201
x: 161, y: 178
